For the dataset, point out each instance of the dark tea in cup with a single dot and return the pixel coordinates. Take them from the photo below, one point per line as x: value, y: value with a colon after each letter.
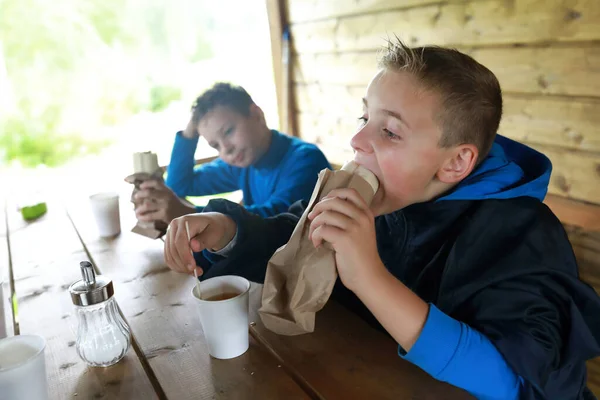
x: 221, y: 296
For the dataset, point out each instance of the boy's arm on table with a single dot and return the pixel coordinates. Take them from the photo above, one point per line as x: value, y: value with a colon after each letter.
x: 517, y: 321
x: 447, y: 349
x: 210, y: 178
x: 256, y: 240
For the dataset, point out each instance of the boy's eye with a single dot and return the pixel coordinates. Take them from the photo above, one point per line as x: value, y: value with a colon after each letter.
x: 228, y: 131
x: 214, y: 145
x: 390, y: 135
x: 363, y: 120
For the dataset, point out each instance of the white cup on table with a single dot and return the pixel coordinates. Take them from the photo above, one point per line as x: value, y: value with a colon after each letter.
x: 105, y: 207
x: 23, y: 368
x: 223, y: 310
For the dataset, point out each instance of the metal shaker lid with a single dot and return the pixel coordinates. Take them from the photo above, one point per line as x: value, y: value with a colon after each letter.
x: 91, y: 289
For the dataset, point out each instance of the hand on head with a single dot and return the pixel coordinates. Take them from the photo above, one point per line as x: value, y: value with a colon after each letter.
x: 191, y: 130
x: 211, y: 231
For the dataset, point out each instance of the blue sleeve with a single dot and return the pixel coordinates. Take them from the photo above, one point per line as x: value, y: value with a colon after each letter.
x: 211, y: 178
x: 453, y: 352
x: 297, y: 182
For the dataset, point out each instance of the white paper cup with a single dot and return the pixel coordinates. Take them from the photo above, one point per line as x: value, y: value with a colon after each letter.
x: 23, y: 368
x: 105, y: 207
x: 224, y: 322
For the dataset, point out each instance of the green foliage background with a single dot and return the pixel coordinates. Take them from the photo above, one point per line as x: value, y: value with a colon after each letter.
x: 69, y: 65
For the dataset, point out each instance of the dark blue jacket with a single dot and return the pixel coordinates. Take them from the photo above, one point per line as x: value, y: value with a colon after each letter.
x: 488, y: 255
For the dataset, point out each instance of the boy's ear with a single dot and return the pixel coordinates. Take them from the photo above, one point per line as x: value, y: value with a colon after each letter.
x: 459, y: 164
x: 256, y: 113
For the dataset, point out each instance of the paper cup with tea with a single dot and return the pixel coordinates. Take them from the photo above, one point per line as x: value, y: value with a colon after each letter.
x: 223, y: 310
x: 105, y: 207
x: 23, y: 368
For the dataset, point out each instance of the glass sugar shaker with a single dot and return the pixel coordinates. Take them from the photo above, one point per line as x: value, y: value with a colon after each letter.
x: 103, y: 336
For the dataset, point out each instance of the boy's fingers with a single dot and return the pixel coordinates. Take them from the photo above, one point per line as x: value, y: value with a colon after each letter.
x: 336, y: 204
x: 150, y: 216
x: 142, y: 194
x: 315, y: 237
x: 150, y: 211
x: 176, y: 263
x: 325, y: 233
x: 150, y: 195
x: 312, y: 215
x: 330, y: 218
x: 151, y: 184
x: 179, y: 248
x: 191, y: 266
x: 146, y: 195
x: 145, y: 207
x: 169, y: 248
x: 197, y: 245
x: 350, y: 195
x: 168, y: 258
x: 183, y: 248
x: 173, y: 231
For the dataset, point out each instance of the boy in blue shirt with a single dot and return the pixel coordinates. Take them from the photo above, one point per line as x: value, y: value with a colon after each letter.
x: 457, y: 258
x: 273, y: 170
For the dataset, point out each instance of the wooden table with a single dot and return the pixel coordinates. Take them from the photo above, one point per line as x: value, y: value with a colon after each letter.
x: 343, y: 359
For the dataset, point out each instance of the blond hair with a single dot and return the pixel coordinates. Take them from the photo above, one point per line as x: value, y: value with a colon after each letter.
x: 471, y: 98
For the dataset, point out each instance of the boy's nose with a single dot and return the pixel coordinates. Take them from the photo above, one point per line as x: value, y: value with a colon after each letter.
x: 361, y: 142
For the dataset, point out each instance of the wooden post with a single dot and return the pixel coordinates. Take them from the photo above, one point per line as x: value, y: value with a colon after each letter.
x: 276, y: 34
x: 281, y: 50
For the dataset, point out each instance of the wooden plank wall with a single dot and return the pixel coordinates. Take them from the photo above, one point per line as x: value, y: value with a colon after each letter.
x: 546, y: 54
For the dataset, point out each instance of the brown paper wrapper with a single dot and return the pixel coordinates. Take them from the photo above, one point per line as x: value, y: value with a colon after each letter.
x: 152, y: 230
x: 299, y: 277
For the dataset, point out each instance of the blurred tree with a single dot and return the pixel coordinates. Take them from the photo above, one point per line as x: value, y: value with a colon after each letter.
x: 74, y: 65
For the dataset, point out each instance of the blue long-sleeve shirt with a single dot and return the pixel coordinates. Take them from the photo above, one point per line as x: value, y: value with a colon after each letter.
x: 286, y: 173
x: 453, y: 352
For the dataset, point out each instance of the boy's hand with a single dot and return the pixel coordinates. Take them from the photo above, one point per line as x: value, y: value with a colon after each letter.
x: 191, y: 130
x: 209, y: 230
x: 159, y: 203
x: 343, y: 219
